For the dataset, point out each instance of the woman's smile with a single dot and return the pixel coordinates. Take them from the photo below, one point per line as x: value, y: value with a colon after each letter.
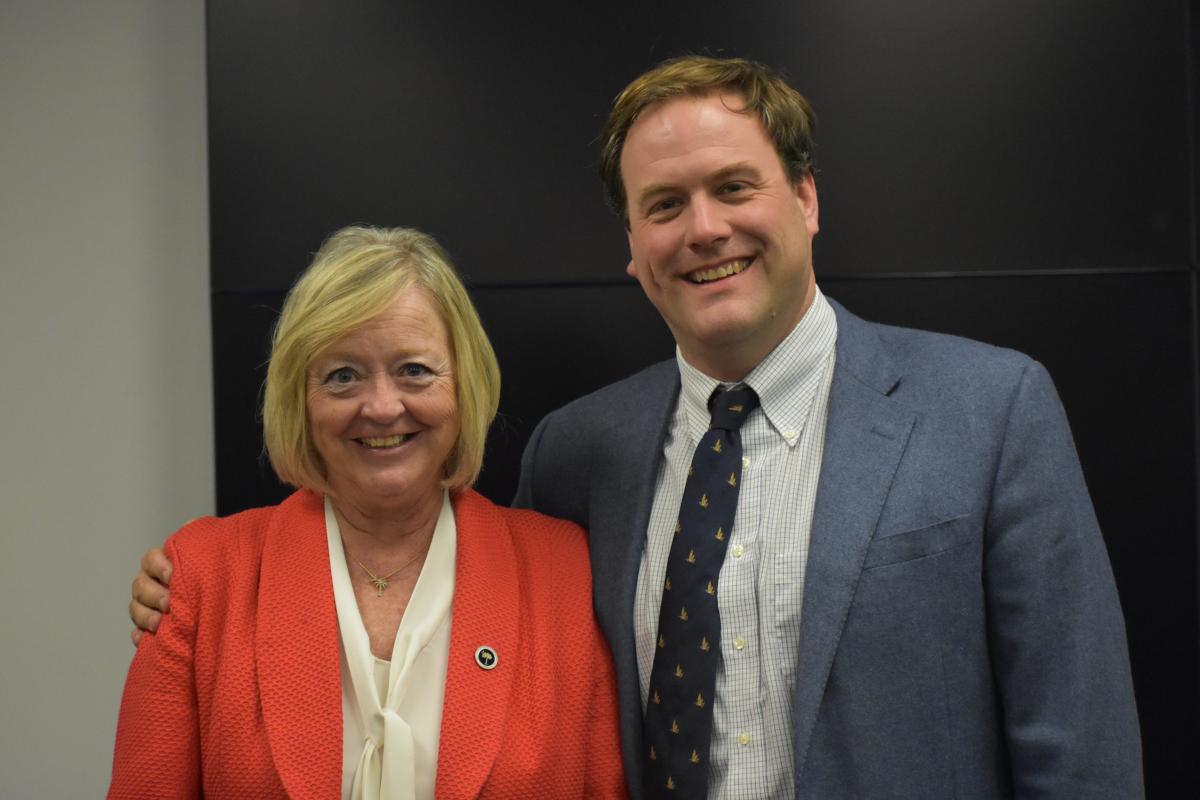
x: 384, y: 442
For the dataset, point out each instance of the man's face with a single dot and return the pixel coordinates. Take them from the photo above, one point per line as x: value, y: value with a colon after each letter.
x: 719, y: 238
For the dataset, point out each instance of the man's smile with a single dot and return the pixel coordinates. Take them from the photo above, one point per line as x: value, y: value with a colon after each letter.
x: 717, y: 273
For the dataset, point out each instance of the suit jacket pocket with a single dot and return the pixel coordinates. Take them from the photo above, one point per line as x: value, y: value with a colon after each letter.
x: 928, y: 540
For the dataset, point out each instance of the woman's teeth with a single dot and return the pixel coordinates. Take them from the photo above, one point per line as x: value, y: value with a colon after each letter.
x: 716, y: 273
x: 383, y: 441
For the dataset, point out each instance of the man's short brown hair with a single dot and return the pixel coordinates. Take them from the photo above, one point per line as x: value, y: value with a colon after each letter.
x: 785, y: 114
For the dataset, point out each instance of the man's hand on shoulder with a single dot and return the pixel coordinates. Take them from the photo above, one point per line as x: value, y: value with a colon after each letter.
x: 151, y: 599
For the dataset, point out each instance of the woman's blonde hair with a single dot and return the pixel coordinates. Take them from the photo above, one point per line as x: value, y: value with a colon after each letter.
x: 355, y: 276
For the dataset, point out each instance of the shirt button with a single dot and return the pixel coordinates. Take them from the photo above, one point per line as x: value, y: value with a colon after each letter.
x: 745, y: 463
x: 739, y: 643
x: 743, y: 739
x: 789, y: 434
x: 737, y: 550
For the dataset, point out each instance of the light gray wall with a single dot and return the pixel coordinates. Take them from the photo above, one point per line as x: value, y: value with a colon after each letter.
x: 105, y: 385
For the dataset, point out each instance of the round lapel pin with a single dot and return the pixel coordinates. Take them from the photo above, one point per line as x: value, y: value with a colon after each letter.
x: 486, y: 658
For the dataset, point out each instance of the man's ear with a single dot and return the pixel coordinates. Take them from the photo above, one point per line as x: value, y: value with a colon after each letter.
x: 805, y: 190
x: 630, y: 268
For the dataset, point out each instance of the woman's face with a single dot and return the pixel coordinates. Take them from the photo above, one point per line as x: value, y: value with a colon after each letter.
x: 382, y: 410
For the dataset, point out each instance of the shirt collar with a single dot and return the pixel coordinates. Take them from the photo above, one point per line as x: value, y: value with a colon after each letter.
x: 785, y: 381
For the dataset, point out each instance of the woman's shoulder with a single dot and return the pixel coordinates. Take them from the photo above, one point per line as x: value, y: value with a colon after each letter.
x: 552, y: 537
x: 219, y: 539
x: 218, y: 562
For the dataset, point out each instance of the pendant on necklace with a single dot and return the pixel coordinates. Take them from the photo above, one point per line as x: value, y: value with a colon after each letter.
x: 380, y: 585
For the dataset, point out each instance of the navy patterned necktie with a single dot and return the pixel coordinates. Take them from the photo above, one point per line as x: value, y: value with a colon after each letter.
x: 678, y: 724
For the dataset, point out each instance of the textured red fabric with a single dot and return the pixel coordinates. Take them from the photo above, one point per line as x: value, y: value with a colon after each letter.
x: 238, y: 695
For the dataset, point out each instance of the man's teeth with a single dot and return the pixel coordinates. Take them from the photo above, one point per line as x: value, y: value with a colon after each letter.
x: 723, y: 271
x: 383, y: 441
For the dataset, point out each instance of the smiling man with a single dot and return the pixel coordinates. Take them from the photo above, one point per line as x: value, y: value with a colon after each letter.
x: 913, y: 599
x: 833, y: 559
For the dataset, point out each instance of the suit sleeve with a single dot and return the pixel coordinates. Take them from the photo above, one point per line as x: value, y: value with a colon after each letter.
x: 524, y: 496
x: 157, y: 752
x: 1055, y: 626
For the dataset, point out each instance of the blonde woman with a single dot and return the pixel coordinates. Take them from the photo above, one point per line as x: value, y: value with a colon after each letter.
x: 385, y: 632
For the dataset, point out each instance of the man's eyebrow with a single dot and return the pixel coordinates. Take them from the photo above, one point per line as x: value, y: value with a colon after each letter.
x: 741, y: 168
x: 723, y: 174
x: 653, y: 190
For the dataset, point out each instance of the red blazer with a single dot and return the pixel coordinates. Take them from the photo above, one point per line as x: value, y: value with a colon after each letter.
x: 239, y: 693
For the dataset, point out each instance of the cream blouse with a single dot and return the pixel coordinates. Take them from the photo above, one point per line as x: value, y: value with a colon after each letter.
x: 392, y: 710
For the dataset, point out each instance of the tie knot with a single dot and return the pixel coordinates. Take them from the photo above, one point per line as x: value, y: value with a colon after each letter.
x: 731, y: 407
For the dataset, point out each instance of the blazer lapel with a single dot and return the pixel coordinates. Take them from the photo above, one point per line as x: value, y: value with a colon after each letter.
x: 865, y: 437
x: 485, y: 613
x: 296, y: 650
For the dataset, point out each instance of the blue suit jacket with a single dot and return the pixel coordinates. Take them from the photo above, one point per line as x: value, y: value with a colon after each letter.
x: 961, y: 634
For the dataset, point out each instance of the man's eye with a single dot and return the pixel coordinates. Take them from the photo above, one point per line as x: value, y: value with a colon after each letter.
x: 664, y: 205
x: 340, y: 376
x: 733, y: 187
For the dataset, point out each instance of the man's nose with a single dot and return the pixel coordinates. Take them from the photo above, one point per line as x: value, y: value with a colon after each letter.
x: 707, y: 224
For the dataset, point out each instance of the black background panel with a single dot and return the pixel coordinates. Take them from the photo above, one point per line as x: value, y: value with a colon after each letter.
x: 1022, y: 173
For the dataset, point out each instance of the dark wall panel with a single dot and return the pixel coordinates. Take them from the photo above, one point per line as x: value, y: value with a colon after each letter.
x: 968, y: 135
x: 242, y: 323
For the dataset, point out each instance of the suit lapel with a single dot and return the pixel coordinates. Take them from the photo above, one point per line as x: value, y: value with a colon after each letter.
x: 622, y: 498
x: 865, y: 437
x: 618, y: 515
x: 486, y: 612
x: 296, y: 650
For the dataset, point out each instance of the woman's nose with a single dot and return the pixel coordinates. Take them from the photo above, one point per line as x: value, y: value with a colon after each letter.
x: 383, y: 402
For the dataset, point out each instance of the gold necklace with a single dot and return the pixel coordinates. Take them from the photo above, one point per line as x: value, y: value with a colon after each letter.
x: 382, y: 583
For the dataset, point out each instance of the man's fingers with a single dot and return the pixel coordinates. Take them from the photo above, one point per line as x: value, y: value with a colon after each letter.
x: 145, y: 617
x: 149, y: 594
x: 156, y: 566
x: 150, y: 598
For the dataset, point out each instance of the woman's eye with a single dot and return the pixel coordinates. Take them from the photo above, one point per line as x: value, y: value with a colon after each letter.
x: 414, y: 370
x: 342, y: 376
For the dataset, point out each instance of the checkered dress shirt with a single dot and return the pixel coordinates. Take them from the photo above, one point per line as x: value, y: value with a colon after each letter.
x: 762, y: 579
